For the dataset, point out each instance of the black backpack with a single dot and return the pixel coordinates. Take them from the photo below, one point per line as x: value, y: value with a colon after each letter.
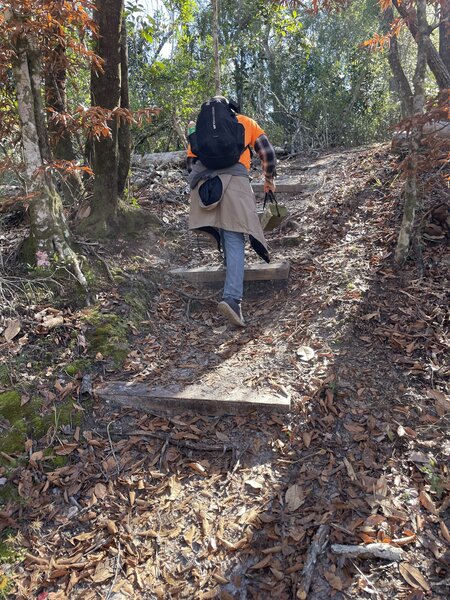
x: 219, y: 138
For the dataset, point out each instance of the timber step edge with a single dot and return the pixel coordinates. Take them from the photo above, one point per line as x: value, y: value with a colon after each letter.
x: 192, y: 398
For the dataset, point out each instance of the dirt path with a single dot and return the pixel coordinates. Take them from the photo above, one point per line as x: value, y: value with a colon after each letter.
x: 229, y: 508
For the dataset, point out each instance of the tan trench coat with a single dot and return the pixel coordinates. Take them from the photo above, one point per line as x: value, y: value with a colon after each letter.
x: 235, y: 212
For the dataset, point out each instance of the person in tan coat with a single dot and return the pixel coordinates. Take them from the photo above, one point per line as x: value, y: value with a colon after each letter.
x: 223, y: 204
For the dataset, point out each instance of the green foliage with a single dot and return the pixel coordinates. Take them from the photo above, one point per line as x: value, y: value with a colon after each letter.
x: 304, y: 77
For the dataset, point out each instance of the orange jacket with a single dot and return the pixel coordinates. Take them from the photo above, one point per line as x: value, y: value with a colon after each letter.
x: 252, y: 133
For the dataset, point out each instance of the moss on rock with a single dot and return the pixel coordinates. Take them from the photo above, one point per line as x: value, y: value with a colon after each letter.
x: 77, y: 366
x: 4, y: 376
x: 29, y: 421
x: 108, y: 335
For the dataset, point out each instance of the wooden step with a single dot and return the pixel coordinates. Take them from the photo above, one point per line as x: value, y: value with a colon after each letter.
x: 257, y: 272
x: 193, y: 398
x: 289, y: 185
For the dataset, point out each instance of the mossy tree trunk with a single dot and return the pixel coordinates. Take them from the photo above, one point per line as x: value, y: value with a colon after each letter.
x: 411, y: 192
x: 60, y: 138
x: 48, y: 227
x: 124, y: 127
x: 106, y: 93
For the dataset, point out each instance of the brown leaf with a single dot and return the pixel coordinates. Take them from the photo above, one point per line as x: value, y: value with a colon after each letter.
x: 294, y: 497
x: 53, y: 322
x: 262, y: 563
x: 102, y: 572
x: 12, y: 329
x: 65, y: 449
x: 24, y: 399
x: 413, y: 576
x: 334, y: 581
x: 350, y: 470
x: 427, y: 502
x: 307, y: 436
x: 100, y: 490
x: 442, y: 401
x: 195, y: 466
x: 444, y: 531
x: 255, y: 484
x: 354, y: 428
x: 111, y: 526
x: 189, y: 535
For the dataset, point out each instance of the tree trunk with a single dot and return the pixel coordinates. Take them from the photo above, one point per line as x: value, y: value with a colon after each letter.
x: 401, y: 81
x: 280, y: 115
x: 106, y: 93
x: 444, y: 33
x: 60, y: 138
x: 124, y: 127
x: 411, y: 193
x: 48, y: 228
x: 435, y: 62
x: 215, y: 32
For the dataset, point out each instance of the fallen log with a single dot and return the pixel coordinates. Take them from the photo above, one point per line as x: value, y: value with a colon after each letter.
x: 159, y: 159
x: 440, y: 129
x: 376, y: 550
x: 316, y: 548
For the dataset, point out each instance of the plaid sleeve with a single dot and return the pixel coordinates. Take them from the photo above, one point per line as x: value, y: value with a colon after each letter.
x: 266, y: 153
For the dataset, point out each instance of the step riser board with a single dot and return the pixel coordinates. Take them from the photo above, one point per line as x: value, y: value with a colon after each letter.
x: 157, y: 400
x: 269, y: 272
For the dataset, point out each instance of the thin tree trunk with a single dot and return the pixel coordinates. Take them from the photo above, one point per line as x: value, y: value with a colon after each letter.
x: 60, y: 138
x: 215, y: 32
x: 401, y: 81
x: 48, y: 227
x: 106, y: 92
x: 411, y: 193
x: 124, y: 127
x: 435, y: 62
x: 444, y: 33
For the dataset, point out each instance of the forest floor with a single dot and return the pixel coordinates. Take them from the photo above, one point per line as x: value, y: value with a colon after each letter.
x: 113, y: 503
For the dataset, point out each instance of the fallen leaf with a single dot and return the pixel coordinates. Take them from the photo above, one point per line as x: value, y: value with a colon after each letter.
x: 111, y: 526
x: 262, y: 563
x: 195, y: 466
x: 305, y: 353
x: 419, y: 457
x: 12, y: 329
x: 24, y: 399
x: 413, y: 576
x: 307, y: 436
x: 294, y: 497
x: 350, y: 470
x: 444, y: 531
x: 53, y: 322
x: 334, y: 581
x: 83, y: 212
x: 100, y: 490
x: 102, y: 572
x: 427, y: 502
x: 189, y: 535
x: 255, y: 484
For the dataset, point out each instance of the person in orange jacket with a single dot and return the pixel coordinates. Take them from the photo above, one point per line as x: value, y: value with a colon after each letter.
x: 223, y: 204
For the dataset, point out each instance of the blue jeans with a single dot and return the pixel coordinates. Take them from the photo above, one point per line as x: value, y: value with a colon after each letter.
x: 233, y: 244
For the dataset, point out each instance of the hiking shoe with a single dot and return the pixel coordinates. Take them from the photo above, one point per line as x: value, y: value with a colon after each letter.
x: 231, y: 309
